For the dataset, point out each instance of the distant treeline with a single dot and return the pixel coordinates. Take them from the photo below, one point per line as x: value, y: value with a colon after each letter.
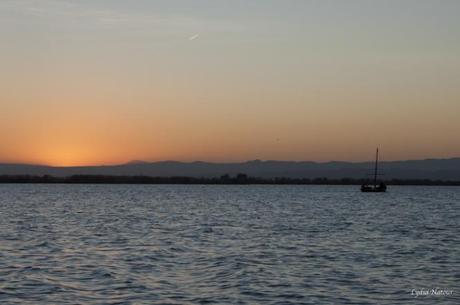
x: 225, y: 179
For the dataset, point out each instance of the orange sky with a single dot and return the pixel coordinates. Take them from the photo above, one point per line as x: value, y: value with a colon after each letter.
x: 83, y: 83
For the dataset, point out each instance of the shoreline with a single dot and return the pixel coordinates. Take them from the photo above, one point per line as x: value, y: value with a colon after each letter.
x: 240, y: 179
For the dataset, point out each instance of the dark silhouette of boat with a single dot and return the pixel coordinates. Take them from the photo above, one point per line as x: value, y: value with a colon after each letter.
x: 375, y: 188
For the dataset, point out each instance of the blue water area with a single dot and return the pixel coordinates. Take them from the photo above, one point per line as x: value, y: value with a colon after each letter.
x: 205, y: 244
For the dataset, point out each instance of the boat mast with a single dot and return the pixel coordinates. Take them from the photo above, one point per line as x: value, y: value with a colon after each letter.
x: 376, y: 165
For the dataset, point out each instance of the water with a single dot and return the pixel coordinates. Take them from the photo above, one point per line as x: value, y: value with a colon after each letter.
x: 191, y: 244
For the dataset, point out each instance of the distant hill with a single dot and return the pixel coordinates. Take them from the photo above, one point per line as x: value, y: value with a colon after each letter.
x: 434, y: 169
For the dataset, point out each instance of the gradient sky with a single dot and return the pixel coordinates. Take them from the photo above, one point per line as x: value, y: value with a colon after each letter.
x: 104, y: 82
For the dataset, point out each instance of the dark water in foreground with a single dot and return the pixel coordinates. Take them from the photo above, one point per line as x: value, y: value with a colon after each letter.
x: 169, y: 244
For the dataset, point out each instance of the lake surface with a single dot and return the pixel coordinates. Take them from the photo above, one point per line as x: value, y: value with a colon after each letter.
x: 205, y: 244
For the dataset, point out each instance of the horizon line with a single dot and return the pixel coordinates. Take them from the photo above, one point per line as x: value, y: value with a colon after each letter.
x: 140, y: 162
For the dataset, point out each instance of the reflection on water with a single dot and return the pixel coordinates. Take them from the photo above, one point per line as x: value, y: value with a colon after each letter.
x: 134, y: 244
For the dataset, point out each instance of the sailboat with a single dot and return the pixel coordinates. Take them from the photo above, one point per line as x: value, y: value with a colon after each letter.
x: 381, y: 187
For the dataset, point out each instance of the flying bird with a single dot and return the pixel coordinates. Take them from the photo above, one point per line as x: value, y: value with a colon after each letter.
x: 193, y: 37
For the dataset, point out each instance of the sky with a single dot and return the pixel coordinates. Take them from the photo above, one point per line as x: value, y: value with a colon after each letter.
x: 104, y: 82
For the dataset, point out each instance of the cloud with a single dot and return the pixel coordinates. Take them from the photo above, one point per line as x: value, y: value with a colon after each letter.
x: 53, y: 9
x: 108, y: 16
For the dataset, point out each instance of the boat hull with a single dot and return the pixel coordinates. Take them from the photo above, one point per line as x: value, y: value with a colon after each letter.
x: 373, y: 189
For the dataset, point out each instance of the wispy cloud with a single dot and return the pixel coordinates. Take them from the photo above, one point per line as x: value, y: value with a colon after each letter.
x: 59, y: 9
x: 78, y: 11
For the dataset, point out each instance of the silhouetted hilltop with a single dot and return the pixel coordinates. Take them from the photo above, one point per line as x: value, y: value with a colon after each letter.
x: 435, y: 169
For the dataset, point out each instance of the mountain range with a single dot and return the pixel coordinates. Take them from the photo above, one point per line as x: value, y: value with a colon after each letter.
x: 434, y: 169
